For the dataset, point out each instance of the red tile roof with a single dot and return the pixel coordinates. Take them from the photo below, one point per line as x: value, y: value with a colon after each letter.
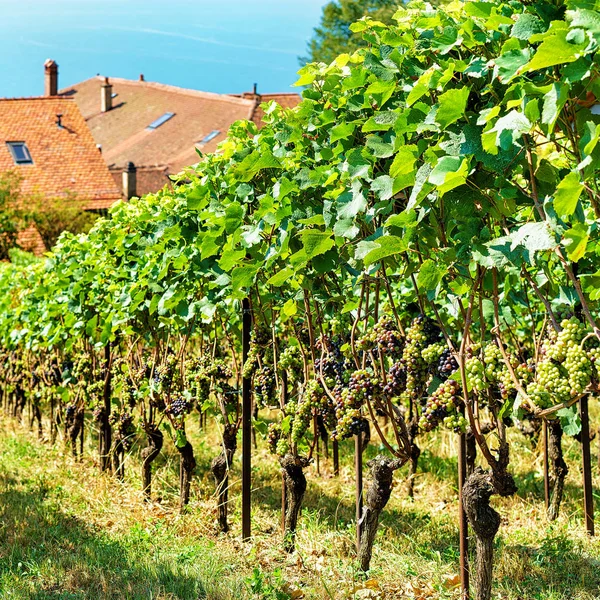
x: 289, y: 100
x: 66, y: 161
x: 122, y: 131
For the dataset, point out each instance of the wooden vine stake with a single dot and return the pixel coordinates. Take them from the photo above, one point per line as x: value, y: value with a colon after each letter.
x: 588, y: 499
x: 246, y: 424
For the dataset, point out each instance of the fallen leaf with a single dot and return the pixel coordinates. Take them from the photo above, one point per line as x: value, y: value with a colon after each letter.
x: 452, y: 581
x: 372, y: 584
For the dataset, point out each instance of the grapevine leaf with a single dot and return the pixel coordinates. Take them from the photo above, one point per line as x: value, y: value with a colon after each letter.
x: 316, y: 242
x: 526, y: 26
x: 452, y: 106
x: 430, y: 275
x: 575, y: 241
x: 450, y: 172
x: 570, y: 420
x: 555, y: 49
x: 341, y: 132
x: 567, y: 194
x: 388, y: 245
x: 383, y: 187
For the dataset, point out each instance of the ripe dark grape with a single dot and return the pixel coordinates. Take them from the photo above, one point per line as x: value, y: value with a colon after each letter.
x: 273, y: 436
x: 265, y: 387
x: 178, y: 407
x: 446, y: 365
x: 396, y: 380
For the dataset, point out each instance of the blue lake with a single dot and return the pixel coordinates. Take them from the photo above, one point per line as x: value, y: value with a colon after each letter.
x: 218, y: 46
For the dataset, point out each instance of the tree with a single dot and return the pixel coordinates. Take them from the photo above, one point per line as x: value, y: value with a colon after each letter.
x: 334, y: 37
x: 11, y: 215
x: 52, y: 216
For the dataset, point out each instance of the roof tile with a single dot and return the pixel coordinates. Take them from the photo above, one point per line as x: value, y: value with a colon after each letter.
x: 66, y: 161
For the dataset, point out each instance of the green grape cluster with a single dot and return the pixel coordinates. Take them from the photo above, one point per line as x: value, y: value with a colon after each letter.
x: 205, y: 374
x: 550, y: 385
x: 594, y: 356
x: 579, y: 368
x: 494, y: 362
x: 290, y: 361
x: 417, y: 357
x: 432, y: 353
x: 95, y: 390
x: 314, y: 401
x: 251, y: 362
x: 123, y: 428
x: 303, y: 412
x: 123, y: 381
x: 260, y: 340
x: 164, y: 374
x: 475, y: 372
x: 565, y: 369
x: 442, y: 407
x: 496, y: 371
x: 572, y: 332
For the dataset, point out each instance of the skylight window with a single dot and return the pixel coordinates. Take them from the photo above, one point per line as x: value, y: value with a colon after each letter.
x: 160, y: 121
x: 211, y: 136
x: 20, y: 153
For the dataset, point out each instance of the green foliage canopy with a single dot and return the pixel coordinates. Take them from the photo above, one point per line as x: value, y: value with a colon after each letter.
x: 458, y: 144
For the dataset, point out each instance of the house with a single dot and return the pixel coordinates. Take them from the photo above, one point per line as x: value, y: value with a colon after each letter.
x: 48, y: 143
x: 148, y: 131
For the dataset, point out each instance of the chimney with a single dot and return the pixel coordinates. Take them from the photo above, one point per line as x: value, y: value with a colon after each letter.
x: 253, y: 95
x: 129, y: 181
x: 106, y: 96
x: 50, y: 78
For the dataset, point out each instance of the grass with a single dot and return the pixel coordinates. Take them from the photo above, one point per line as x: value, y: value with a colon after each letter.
x: 68, y: 532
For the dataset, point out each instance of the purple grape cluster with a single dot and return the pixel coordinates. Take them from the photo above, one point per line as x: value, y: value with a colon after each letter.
x: 447, y: 365
x: 178, y: 407
x: 396, y: 380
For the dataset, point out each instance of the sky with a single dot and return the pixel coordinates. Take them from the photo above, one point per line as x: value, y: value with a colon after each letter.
x: 213, y: 45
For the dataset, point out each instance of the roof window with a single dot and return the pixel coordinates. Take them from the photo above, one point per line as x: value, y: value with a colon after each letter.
x: 211, y: 136
x: 20, y: 153
x: 160, y: 121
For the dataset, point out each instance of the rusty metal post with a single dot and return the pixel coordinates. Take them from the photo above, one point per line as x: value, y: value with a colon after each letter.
x: 588, y: 497
x: 546, y: 471
x: 358, y: 470
x: 246, y: 424
x: 462, y: 518
x: 336, y: 458
x: 284, y: 401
